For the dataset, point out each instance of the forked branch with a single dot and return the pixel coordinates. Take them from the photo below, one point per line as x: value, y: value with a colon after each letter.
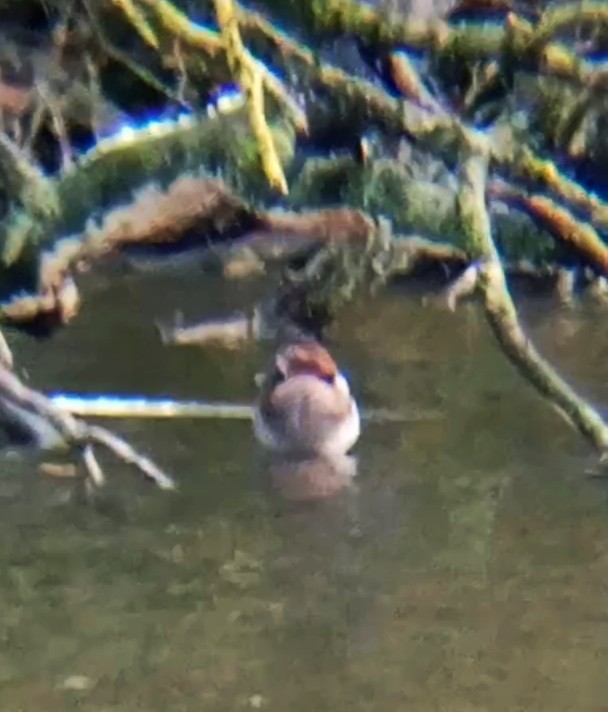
x: 28, y: 407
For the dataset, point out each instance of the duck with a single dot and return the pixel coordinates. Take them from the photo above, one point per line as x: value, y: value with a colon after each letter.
x: 305, y: 406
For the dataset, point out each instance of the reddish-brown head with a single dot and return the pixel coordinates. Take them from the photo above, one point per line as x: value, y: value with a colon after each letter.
x: 306, y: 359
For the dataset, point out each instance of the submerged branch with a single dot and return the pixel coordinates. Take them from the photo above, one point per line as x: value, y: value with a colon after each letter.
x: 514, y: 341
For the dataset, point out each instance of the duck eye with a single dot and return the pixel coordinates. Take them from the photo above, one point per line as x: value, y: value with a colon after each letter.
x: 328, y: 379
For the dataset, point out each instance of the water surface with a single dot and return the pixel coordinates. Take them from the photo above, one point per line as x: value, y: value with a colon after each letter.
x: 467, y: 571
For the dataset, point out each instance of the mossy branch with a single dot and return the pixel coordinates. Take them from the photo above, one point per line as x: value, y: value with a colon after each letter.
x: 529, y: 45
x: 249, y: 77
x: 559, y: 222
x: 558, y: 18
x: 440, y: 132
x: 178, y: 25
x: 254, y: 25
x: 139, y: 21
x: 499, y: 307
x: 433, y: 127
x: 526, y: 165
x: 525, y: 43
x: 211, y: 44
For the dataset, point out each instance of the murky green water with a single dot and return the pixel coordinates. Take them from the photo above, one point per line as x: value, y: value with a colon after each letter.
x: 468, y: 571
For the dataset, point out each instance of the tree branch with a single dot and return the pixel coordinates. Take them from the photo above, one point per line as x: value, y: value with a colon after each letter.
x: 499, y: 307
x: 32, y: 411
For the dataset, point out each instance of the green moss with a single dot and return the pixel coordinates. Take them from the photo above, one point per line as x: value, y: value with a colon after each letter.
x: 322, y: 182
x: 385, y: 188
x: 518, y: 238
x: 220, y: 146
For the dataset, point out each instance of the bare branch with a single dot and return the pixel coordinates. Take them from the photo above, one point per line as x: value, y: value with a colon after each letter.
x: 24, y: 402
x: 128, y: 454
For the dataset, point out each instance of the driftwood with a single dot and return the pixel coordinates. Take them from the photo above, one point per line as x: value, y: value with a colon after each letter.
x: 230, y: 332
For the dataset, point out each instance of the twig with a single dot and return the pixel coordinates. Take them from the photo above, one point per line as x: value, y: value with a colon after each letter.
x: 249, y: 78
x: 59, y: 125
x: 347, y: 16
x: 567, y: 15
x: 6, y: 355
x: 211, y: 43
x: 179, y: 25
x: 138, y: 20
x: 26, y: 182
x: 92, y: 466
x: 130, y: 456
x: 141, y: 72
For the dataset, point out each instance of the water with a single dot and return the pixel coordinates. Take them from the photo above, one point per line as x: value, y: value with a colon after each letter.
x: 467, y: 571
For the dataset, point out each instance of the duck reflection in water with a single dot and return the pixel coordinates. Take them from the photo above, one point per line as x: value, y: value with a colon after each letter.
x: 307, y: 416
x: 300, y: 479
